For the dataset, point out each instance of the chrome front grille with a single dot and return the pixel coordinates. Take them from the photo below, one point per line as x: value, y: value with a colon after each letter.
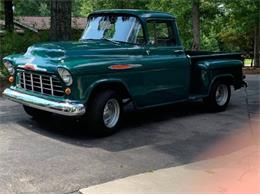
x: 45, y: 84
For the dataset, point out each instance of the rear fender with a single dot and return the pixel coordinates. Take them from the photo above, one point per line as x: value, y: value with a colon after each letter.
x: 229, y: 78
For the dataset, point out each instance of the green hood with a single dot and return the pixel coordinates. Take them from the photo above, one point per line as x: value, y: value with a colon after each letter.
x: 77, y: 49
x: 75, y: 55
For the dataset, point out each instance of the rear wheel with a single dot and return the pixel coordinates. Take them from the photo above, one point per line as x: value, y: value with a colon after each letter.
x: 219, y: 96
x: 104, y: 113
x: 36, y: 113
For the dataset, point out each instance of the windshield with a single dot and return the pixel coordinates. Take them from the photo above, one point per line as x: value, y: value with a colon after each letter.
x: 114, y: 28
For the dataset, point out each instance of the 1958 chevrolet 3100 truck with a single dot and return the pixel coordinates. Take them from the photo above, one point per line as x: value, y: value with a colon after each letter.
x: 122, y: 56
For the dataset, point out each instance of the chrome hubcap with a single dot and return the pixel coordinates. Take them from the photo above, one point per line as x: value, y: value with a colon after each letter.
x: 221, y: 94
x: 111, y: 113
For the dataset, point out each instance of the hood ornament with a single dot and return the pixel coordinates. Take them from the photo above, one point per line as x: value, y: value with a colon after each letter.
x: 32, y: 67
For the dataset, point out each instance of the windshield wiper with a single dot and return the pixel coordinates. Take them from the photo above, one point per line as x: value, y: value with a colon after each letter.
x: 106, y: 39
x: 89, y: 39
x: 103, y: 39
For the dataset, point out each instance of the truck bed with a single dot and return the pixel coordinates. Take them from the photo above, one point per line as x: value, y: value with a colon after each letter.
x: 202, y: 55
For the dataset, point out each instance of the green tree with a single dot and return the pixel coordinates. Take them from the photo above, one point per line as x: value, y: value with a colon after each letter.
x: 2, y: 10
x: 241, y: 29
x: 44, y: 9
x: 226, y: 25
x: 87, y: 6
x: 32, y: 7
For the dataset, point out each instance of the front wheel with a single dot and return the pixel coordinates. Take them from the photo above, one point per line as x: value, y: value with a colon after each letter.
x: 219, y: 96
x: 104, y: 113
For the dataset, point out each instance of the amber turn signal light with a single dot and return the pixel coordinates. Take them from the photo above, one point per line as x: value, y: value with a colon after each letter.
x: 67, y: 91
x: 11, y: 79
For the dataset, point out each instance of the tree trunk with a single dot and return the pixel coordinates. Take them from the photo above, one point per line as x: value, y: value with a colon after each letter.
x: 195, y: 25
x: 257, y: 41
x: 9, y: 16
x: 60, y: 20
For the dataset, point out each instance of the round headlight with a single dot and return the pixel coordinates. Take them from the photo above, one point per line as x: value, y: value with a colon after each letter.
x: 8, y: 65
x: 65, y: 76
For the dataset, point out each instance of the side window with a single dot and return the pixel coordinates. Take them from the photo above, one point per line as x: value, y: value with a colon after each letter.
x: 140, y: 36
x: 160, y: 33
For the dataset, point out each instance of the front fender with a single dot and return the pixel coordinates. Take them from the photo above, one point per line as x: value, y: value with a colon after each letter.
x: 111, y: 82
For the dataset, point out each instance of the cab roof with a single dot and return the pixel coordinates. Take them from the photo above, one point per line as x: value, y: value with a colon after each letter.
x: 142, y: 14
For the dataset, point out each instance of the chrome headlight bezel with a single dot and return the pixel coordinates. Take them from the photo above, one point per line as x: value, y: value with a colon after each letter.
x: 65, y: 75
x: 9, y: 67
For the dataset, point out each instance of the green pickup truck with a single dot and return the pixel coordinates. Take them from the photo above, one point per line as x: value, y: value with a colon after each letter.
x: 123, y: 56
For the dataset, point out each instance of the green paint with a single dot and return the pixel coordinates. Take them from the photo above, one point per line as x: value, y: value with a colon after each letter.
x: 162, y: 74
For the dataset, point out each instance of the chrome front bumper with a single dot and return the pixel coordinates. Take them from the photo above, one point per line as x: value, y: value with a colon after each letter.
x: 66, y: 108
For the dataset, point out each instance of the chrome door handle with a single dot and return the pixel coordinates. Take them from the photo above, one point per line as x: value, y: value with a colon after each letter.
x: 178, y: 51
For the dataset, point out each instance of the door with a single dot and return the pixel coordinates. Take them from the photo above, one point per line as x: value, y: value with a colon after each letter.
x: 168, y: 68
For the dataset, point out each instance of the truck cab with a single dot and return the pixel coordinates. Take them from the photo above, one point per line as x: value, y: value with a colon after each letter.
x: 123, y: 56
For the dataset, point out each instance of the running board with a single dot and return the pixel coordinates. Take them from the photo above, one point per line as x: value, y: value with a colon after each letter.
x: 194, y: 97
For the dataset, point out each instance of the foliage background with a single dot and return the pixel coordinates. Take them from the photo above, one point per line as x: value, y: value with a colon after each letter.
x: 226, y: 25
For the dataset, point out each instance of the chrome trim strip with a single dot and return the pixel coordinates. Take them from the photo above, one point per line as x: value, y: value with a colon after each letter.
x: 24, y: 81
x: 32, y: 81
x: 19, y: 79
x: 32, y: 67
x: 66, y: 108
x: 41, y: 83
x: 51, y: 86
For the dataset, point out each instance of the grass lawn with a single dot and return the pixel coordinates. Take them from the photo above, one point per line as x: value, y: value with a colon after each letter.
x: 248, y: 62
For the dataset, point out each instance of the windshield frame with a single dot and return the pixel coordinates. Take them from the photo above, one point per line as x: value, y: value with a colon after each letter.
x: 117, y: 14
